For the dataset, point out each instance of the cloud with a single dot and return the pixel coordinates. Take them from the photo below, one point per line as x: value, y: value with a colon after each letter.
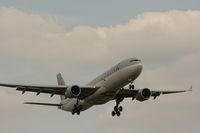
x: 167, y: 42
x: 169, y: 34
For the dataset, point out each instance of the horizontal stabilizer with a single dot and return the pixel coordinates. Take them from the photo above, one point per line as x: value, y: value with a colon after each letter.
x: 44, y: 104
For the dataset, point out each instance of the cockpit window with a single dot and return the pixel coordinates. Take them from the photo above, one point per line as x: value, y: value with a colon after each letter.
x: 134, y: 60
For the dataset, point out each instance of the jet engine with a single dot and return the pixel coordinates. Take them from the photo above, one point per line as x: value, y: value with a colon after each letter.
x: 143, y: 94
x: 73, y: 91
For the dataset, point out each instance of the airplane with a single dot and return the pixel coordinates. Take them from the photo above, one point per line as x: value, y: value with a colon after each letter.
x: 106, y: 87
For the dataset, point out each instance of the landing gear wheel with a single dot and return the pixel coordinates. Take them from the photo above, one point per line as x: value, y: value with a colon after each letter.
x: 113, y: 113
x: 115, y: 108
x: 78, y: 112
x: 80, y: 107
x: 120, y: 109
x: 73, y: 112
x: 131, y: 87
x: 118, y: 113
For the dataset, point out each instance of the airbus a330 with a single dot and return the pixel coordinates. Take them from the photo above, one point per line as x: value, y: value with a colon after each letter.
x: 106, y: 87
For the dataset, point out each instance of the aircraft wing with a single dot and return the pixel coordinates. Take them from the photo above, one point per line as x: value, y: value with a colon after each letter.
x: 51, y: 89
x: 127, y: 93
x: 158, y: 93
x: 44, y: 104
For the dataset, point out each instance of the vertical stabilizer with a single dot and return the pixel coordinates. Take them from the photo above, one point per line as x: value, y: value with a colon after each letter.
x: 61, y: 82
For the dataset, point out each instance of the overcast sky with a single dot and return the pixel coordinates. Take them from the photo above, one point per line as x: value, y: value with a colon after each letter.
x: 82, y: 39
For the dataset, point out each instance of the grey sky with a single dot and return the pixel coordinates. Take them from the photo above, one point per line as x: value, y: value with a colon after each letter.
x: 82, y: 39
x: 99, y: 13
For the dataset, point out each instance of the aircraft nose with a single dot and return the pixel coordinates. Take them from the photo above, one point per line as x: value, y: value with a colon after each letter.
x: 139, y: 68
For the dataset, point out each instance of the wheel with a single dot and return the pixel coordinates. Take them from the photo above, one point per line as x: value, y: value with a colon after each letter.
x: 113, y: 113
x: 80, y: 107
x: 78, y: 112
x: 120, y: 108
x: 118, y: 113
x: 132, y: 86
x: 73, y: 112
x: 116, y: 108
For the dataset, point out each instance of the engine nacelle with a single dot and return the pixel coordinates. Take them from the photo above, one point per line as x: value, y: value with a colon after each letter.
x: 73, y: 91
x: 143, y: 94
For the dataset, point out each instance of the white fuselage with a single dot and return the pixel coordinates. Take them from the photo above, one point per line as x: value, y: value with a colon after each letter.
x: 110, y: 83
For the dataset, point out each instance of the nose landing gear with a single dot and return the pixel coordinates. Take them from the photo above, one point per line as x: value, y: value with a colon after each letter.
x: 131, y: 86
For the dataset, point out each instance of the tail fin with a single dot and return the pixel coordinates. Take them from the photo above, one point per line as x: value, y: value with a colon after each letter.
x: 61, y: 82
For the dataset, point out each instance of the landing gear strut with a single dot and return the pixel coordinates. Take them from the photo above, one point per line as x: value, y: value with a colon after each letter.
x: 77, y: 108
x: 117, y: 109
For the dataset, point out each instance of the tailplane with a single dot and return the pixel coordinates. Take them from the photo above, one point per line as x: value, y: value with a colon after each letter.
x: 61, y: 82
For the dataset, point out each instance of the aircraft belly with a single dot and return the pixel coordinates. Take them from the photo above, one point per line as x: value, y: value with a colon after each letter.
x: 68, y: 105
x: 101, y: 100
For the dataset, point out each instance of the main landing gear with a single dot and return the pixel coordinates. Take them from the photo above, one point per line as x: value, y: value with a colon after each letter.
x: 77, y: 108
x: 117, y: 109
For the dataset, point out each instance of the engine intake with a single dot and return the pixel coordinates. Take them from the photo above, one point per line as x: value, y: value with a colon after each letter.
x: 143, y: 94
x: 73, y: 91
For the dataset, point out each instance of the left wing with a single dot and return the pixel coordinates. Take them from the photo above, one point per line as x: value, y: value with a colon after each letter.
x: 127, y: 93
x: 158, y: 93
x: 51, y: 89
